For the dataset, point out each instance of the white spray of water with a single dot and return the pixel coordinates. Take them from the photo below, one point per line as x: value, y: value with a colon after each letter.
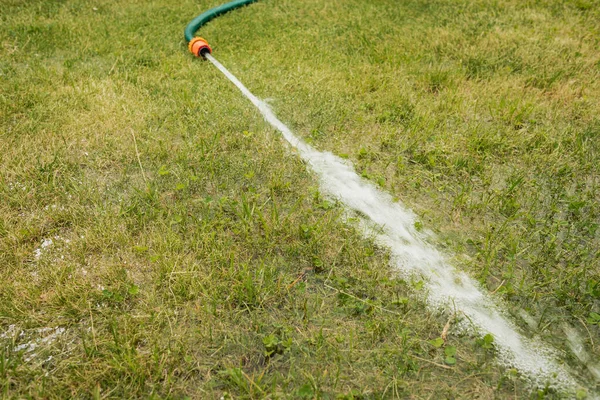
x: 47, y: 243
x: 41, y: 337
x: 412, y: 254
x: 578, y: 348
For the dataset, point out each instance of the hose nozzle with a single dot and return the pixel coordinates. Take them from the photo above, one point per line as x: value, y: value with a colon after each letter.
x: 199, y: 46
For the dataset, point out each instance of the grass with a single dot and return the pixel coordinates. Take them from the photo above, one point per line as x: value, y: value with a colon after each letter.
x: 148, y: 211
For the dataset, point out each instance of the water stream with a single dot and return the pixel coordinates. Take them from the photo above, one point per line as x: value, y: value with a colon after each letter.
x: 393, y: 226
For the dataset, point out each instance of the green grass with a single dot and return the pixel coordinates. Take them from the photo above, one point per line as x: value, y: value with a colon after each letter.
x: 192, y: 254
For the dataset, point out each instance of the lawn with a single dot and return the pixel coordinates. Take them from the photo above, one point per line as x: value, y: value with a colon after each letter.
x: 158, y: 239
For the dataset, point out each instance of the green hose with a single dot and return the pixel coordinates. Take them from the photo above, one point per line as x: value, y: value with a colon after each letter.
x: 206, y: 16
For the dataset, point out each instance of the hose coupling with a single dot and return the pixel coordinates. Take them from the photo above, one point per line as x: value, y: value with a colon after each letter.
x: 199, y: 46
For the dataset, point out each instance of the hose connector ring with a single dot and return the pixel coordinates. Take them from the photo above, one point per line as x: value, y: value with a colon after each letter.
x: 198, y: 46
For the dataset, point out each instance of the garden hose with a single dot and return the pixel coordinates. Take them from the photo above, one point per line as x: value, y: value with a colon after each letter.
x: 197, y: 45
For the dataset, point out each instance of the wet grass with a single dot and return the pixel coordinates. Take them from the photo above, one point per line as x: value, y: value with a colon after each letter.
x: 148, y: 211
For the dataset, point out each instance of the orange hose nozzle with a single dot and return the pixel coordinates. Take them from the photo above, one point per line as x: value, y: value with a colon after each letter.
x: 198, y: 46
